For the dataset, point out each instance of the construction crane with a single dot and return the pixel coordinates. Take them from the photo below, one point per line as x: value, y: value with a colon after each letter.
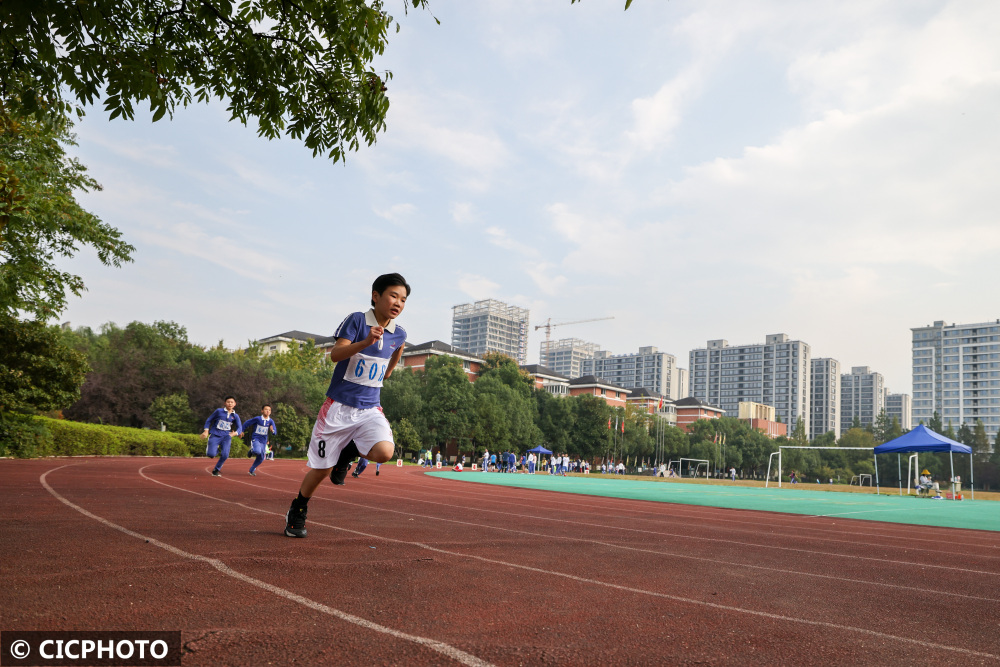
x: 548, y: 329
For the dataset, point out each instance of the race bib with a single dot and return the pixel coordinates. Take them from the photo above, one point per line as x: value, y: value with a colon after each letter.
x: 223, y: 425
x: 261, y: 430
x: 366, y: 370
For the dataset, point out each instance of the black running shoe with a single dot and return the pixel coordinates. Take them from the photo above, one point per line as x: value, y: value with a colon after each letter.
x: 253, y: 473
x: 295, y: 521
x: 338, y: 476
x: 339, y: 471
x: 376, y: 473
x: 216, y: 472
x: 354, y: 474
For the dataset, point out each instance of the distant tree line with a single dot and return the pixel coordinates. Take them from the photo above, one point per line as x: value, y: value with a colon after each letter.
x: 151, y: 376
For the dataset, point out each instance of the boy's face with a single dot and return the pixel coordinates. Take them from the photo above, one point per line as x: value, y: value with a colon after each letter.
x: 230, y: 404
x: 266, y: 412
x: 390, y: 302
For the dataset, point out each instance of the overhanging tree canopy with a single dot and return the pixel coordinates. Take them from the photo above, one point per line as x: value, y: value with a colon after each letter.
x: 298, y: 67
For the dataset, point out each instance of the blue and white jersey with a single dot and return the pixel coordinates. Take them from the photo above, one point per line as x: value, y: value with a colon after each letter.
x: 259, y: 428
x: 357, y: 381
x: 221, y: 422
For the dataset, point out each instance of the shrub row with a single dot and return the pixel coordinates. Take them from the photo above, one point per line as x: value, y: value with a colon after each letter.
x: 30, y: 437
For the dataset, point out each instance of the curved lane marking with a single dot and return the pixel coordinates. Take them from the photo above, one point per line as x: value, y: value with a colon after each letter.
x: 586, y: 580
x: 445, y: 649
x: 810, y: 552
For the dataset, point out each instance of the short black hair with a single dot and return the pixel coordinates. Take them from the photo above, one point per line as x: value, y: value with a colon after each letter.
x: 266, y: 405
x: 389, y: 280
x: 227, y: 398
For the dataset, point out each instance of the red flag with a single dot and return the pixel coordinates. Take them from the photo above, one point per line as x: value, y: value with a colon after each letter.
x: 609, y: 423
x: 661, y: 404
x: 623, y: 425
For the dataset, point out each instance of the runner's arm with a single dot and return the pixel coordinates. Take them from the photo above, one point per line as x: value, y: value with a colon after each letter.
x: 345, y: 349
x: 393, y: 360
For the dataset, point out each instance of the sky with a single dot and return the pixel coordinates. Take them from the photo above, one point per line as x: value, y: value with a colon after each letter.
x: 695, y: 169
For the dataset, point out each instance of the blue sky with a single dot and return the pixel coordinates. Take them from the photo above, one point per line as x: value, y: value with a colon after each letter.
x: 698, y: 170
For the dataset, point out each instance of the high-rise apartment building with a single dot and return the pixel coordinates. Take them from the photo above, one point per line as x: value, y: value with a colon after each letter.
x: 491, y: 326
x: 956, y: 373
x: 825, y: 381
x: 862, y: 396
x: 649, y: 368
x: 775, y: 373
x: 899, y: 406
x: 566, y: 356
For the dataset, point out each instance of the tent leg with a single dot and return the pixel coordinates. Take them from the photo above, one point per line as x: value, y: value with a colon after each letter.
x: 899, y: 464
x: 878, y: 490
x: 951, y: 458
x: 972, y: 478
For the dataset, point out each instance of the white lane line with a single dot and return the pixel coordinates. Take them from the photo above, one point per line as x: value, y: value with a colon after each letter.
x: 854, y: 542
x: 821, y: 516
x: 798, y: 522
x: 810, y: 552
x: 612, y: 545
x: 585, y: 580
x: 445, y: 649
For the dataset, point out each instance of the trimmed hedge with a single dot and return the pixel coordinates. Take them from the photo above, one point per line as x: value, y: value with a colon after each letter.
x: 29, y: 437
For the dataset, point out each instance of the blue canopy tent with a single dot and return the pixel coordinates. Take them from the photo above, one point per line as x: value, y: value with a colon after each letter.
x: 540, y: 450
x: 922, y: 439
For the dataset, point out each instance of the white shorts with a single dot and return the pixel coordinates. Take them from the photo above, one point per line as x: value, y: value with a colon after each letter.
x: 338, y: 424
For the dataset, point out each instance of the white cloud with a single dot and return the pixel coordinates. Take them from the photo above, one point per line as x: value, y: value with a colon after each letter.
x: 446, y: 126
x: 396, y: 213
x: 500, y: 238
x: 463, y: 212
x: 658, y: 116
x: 477, y: 287
x: 189, y: 239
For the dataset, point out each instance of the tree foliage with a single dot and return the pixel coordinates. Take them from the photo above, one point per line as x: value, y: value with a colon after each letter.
x: 136, y: 366
x: 302, y: 68
x: 37, y: 371
x: 174, y: 412
x: 40, y: 219
x: 448, y: 402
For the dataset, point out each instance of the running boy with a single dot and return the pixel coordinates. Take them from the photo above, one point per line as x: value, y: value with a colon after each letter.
x: 219, y: 429
x: 259, y: 427
x: 362, y: 464
x: 351, y: 422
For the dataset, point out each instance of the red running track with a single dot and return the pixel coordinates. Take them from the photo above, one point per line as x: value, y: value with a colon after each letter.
x: 410, y: 569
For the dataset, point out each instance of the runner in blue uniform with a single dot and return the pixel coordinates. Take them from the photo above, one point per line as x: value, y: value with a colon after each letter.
x: 259, y: 429
x: 351, y: 423
x: 362, y: 464
x: 219, y: 429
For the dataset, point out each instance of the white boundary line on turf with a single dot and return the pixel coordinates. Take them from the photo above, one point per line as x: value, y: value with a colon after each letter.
x: 586, y: 580
x: 575, y: 508
x: 799, y: 522
x: 940, y: 530
x: 442, y: 648
x: 785, y: 520
x: 640, y: 530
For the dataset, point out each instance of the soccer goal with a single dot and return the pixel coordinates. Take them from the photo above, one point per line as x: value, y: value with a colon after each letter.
x: 692, y: 471
x: 778, y: 454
